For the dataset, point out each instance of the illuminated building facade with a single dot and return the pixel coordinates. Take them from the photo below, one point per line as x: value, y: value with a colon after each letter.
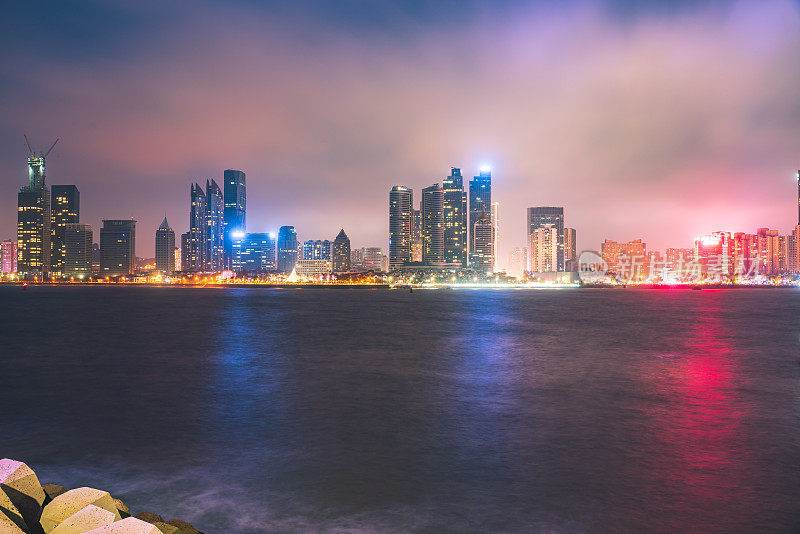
x: 483, y: 244
x: 8, y: 256
x: 78, y: 239
x: 372, y: 258
x: 629, y: 257
x: 118, y: 247
x: 554, y: 217
x: 518, y: 261
x: 341, y: 253
x: 254, y: 252
x: 214, y: 252
x: 416, y: 235
x: 287, y: 249
x: 33, y: 221
x: 185, y: 251
x: 165, y: 248
x: 65, y: 203
x: 543, y: 243
x: 793, y: 251
x: 317, y: 250
x: 495, y: 216
x: 570, y: 249
x: 433, y: 225
x: 400, y: 225
x: 768, y: 249
x: 480, y: 202
x: 313, y: 268
x: 193, y: 256
x: 714, y: 255
x: 235, y: 210
x: 455, y: 219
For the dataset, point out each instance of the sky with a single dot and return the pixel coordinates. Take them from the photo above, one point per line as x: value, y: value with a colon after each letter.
x: 655, y: 120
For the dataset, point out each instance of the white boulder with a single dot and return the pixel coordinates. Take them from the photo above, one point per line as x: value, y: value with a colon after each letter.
x: 87, y: 518
x: 70, y: 502
x: 129, y: 525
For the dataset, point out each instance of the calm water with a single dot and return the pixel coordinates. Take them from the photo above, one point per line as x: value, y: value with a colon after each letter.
x: 306, y: 410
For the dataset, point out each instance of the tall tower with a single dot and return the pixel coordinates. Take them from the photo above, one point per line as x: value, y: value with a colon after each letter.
x: 480, y: 202
x: 455, y: 219
x: 341, y: 253
x: 400, y: 220
x: 433, y: 225
x: 165, y: 248
x: 235, y: 209
x: 33, y: 218
x: 65, y: 209
x: 495, y: 216
x: 194, y: 258
x: 483, y: 238
x: 554, y: 216
x: 213, y: 250
x: 287, y: 249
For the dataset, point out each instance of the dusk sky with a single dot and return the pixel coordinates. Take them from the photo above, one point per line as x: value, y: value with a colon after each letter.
x: 653, y: 120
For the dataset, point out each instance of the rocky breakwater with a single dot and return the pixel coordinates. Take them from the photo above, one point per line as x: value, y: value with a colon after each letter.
x: 28, y: 507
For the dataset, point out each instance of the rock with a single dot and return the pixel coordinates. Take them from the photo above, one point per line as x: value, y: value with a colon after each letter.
x: 20, y: 486
x: 52, y: 491
x: 183, y: 526
x: 11, y: 523
x: 129, y: 525
x: 72, y: 501
x: 123, y: 510
x: 166, y: 528
x: 150, y: 517
x: 87, y: 518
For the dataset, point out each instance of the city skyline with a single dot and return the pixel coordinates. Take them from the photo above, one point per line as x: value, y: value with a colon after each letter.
x: 648, y: 139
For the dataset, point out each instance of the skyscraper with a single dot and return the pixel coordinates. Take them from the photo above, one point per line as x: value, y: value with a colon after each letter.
x: 400, y: 223
x: 483, y: 243
x: 455, y: 219
x: 341, y: 253
x: 433, y: 225
x: 118, y: 247
x: 213, y: 253
x: 254, y: 252
x: 480, y: 202
x: 798, y: 197
x: 8, y: 256
x: 495, y: 216
x: 570, y: 249
x: 193, y: 257
x: 186, y: 248
x: 543, y: 246
x: 235, y: 209
x: 77, y: 250
x: 165, y: 248
x: 416, y: 235
x: 554, y: 216
x: 287, y: 249
x: 33, y: 220
x: 65, y: 209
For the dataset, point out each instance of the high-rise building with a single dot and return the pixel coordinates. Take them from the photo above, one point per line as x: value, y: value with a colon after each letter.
x: 495, y: 216
x: 287, y: 249
x: 627, y: 259
x: 213, y: 254
x: 234, y: 211
x: 417, y: 241
x: 193, y: 256
x: 178, y: 255
x: 341, y: 253
x: 433, y: 225
x: 254, y: 252
x: 483, y: 244
x: 714, y: 254
x: 570, y: 249
x: 793, y: 252
x: 96, y: 258
x: 480, y: 202
x: 798, y: 197
x: 357, y: 258
x: 554, y: 216
x: 317, y: 250
x: 455, y: 219
x: 372, y: 258
x: 118, y: 247
x: 400, y: 226
x: 186, y: 248
x: 65, y: 203
x: 518, y: 261
x: 8, y: 256
x: 543, y: 243
x: 33, y: 220
x: 165, y: 248
x: 768, y: 251
x: 78, y: 239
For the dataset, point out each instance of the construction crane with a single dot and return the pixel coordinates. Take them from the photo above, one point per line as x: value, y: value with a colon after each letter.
x: 44, y: 155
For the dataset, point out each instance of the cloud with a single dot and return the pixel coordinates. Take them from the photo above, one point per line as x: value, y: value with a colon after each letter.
x: 654, y: 125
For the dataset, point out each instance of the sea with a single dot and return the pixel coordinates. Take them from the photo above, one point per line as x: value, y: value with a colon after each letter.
x: 249, y: 410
